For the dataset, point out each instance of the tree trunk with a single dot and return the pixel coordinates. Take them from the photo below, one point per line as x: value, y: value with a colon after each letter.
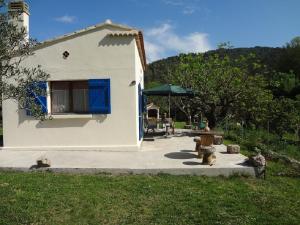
x: 211, y: 117
x: 187, y: 113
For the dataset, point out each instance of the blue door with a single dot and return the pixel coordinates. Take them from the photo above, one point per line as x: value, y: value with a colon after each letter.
x: 140, y: 102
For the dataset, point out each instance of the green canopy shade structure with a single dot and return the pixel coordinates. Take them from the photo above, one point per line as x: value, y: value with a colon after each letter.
x: 169, y: 90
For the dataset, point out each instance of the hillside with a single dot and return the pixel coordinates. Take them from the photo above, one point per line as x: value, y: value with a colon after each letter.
x: 283, y: 60
x: 272, y: 57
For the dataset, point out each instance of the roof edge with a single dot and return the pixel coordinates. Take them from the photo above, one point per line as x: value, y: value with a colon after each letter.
x: 77, y: 33
x: 135, y: 32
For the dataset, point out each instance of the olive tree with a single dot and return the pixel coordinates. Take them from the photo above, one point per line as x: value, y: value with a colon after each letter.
x: 16, y: 81
x: 223, y: 86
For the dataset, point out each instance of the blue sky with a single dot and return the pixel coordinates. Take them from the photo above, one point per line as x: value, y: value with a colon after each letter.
x: 174, y: 26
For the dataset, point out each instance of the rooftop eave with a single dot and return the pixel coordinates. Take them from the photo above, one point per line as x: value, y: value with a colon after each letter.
x: 138, y: 35
x: 124, y: 31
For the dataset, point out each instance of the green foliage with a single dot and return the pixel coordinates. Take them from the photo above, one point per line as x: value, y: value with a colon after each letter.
x: 223, y: 86
x: 271, y: 57
x: 249, y: 139
x: 225, y: 45
x: 284, y: 84
x: 179, y: 125
x: 284, y: 116
x: 14, y: 77
x: 294, y: 43
x: 284, y: 60
x: 290, y: 60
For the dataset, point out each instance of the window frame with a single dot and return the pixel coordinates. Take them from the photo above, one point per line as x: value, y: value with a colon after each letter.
x: 70, y: 92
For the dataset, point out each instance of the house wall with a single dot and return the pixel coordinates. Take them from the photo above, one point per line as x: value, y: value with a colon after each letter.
x: 92, y: 56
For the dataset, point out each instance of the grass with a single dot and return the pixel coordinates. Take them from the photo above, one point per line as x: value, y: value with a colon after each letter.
x: 47, y: 198
x: 253, y: 138
x: 291, y: 137
x: 179, y: 125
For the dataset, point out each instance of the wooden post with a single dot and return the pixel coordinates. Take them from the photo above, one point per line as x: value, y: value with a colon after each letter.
x: 169, y: 105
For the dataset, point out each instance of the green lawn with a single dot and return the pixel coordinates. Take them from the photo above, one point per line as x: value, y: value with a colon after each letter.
x: 180, y: 125
x: 47, y: 198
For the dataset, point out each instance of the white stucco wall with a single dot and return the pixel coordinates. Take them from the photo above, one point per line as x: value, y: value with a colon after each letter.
x: 92, y: 56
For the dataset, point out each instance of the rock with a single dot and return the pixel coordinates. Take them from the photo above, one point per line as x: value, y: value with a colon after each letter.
x: 43, y: 162
x: 218, y: 140
x: 258, y: 160
x: 233, y: 149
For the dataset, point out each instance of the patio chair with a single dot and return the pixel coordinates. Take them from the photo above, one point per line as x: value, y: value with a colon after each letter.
x: 170, y: 124
x: 151, y: 124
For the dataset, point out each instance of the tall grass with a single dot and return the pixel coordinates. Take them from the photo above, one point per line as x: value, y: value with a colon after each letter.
x: 251, y: 138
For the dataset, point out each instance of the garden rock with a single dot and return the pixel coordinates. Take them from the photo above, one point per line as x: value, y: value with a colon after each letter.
x: 233, y: 149
x: 258, y: 160
x: 43, y: 162
x: 218, y: 140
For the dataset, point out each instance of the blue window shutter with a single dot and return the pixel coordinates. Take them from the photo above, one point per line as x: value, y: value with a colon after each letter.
x: 140, y: 104
x: 144, y: 103
x: 99, y: 96
x: 39, y: 99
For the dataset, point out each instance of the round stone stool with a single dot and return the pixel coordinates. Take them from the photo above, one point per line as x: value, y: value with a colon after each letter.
x: 209, y: 157
x: 233, y: 149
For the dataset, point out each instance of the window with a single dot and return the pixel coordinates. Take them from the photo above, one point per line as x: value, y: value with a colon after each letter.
x: 70, y: 97
x: 86, y: 97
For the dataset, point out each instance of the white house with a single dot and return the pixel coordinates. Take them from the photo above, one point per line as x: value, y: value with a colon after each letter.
x: 94, y: 92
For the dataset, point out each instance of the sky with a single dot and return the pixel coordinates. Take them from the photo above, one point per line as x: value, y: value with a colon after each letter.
x: 171, y: 27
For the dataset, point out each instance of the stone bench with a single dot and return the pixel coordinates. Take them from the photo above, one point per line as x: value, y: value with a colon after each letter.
x: 218, y: 140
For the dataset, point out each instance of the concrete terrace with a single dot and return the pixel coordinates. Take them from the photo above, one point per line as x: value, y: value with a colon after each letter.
x: 174, y: 155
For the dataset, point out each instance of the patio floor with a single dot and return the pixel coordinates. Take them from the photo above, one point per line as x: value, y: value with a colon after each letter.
x: 174, y: 155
